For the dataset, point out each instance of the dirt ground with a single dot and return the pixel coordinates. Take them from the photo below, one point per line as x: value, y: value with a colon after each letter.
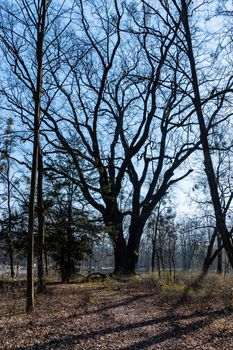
x: 115, y: 316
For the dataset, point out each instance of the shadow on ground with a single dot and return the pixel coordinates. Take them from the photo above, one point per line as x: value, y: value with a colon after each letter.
x: 174, y: 331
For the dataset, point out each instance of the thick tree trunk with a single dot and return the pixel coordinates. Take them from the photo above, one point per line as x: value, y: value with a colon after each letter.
x: 113, y: 220
x: 135, y: 233
x: 120, y: 253
x: 132, y: 257
x: 67, y: 269
x: 41, y: 288
x: 125, y: 255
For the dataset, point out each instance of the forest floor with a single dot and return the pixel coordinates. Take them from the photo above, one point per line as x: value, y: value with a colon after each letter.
x: 136, y: 313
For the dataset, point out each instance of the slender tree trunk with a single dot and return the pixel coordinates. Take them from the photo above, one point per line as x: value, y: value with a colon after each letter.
x: 208, y: 259
x: 36, y: 126
x: 41, y: 288
x: 220, y: 220
x: 174, y: 265
x: 162, y: 260
x: 154, y: 240
x: 158, y: 264
x: 12, y: 262
x: 68, y: 259
x: 219, y: 261
x: 30, y: 246
x: 10, y: 243
x: 11, y: 254
x: 46, y: 262
x: 63, y: 264
x: 17, y: 268
x: 184, y: 257
x: 153, y: 255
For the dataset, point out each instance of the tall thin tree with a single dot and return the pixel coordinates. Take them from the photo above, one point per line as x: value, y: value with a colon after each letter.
x: 42, y: 10
x: 208, y: 162
x: 28, y: 29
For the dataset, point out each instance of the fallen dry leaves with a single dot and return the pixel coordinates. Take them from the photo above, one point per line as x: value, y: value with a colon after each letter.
x: 104, y: 316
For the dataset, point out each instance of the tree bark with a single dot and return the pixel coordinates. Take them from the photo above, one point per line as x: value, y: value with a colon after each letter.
x: 132, y: 258
x: 36, y: 126
x: 135, y: 233
x: 41, y: 288
x: 69, y: 267
x: 30, y: 245
x: 120, y: 253
x: 11, y: 253
x: 46, y: 262
x: 9, y: 234
x: 153, y: 255
x: 219, y: 260
x: 126, y: 255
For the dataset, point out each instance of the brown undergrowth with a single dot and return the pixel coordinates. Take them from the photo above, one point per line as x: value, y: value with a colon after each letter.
x: 140, y: 312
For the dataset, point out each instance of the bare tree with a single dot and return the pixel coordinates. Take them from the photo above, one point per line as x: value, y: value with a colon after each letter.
x: 28, y: 29
x: 208, y: 162
x: 223, y: 178
x: 125, y: 116
x: 7, y: 179
x: 161, y: 232
x: 41, y: 224
x: 125, y: 106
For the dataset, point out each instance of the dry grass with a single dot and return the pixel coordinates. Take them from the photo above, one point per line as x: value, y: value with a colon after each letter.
x: 213, y: 289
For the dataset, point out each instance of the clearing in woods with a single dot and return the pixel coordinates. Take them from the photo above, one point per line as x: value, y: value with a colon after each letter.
x: 134, y: 313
